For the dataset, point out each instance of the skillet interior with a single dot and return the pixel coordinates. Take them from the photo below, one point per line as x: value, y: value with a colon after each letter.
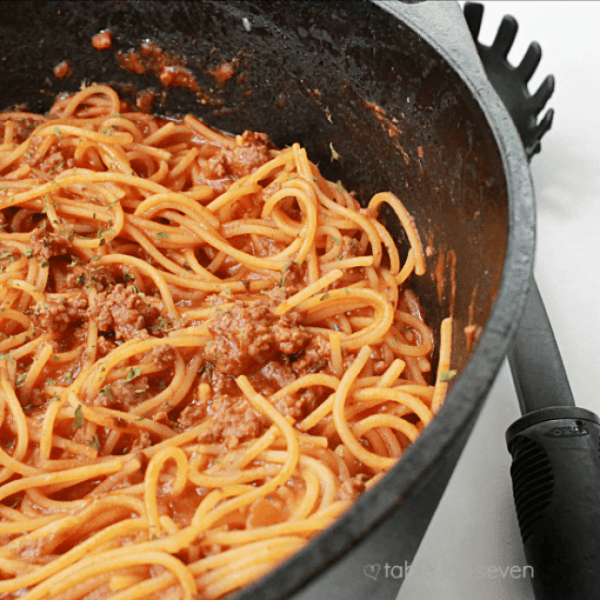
x: 300, y: 63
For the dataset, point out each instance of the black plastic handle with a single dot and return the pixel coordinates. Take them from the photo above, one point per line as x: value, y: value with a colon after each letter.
x: 538, y: 372
x: 556, y: 485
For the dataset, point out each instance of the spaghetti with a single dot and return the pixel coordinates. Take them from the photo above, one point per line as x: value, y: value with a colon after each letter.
x: 208, y: 351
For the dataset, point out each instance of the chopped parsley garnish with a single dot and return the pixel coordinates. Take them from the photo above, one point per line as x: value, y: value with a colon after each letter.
x: 106, y: 390
x: 447, y: 375
x: 78, y: 421
x: 94, y: 443
x: 9, y: 357
x: 334, y: 154
x: 132, y: 374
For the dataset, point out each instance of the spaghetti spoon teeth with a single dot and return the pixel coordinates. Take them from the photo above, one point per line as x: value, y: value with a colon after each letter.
x: 511, y: 82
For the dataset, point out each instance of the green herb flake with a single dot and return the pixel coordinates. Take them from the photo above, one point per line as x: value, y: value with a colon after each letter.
x: 324, y: 296
x: 132, y: 374
x: 21, y: 378
x: 9, y: 357
x: 78, y: 421
x: 334, y: 154
x: 161, y: 235
x: 50, y: 381
x: 57, y: 132
x: 447, y: 375
x: 94, y: 443
x: 106, y: 390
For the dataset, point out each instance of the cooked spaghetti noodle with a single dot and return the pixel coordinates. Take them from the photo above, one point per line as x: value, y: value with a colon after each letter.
x: 208, y: 351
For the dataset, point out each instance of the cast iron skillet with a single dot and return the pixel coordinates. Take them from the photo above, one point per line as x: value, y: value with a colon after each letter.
x: 443, y: 143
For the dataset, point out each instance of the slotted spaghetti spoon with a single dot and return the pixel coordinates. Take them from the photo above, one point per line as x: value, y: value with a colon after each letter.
x: 555, y: 445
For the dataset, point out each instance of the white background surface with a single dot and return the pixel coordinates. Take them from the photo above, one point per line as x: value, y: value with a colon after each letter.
x: 475, y: 525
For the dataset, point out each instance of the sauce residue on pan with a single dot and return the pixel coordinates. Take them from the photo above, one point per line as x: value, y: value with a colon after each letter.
x: 63, y: 70
x: 144, y: 100
x: 172, y: 71
x: 224, y: 72
x: 392, y: 129
x: 472, y: 332
x: 439, y: 275
x: 102, y: 40
x: 390, y: 126
x: 170, y: 68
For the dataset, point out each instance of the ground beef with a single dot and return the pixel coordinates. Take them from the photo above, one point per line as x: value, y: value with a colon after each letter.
x: 86, y: 276
x: 236, y: 421
x: 47, y: 244
x: 22, y: 127
x: 316, y: 357
x: 190, y: 416
x: 143, y: 441
x: 253, y: 153
x: 105, y: 345
x: 162, y: 356
x: 250, y: 335
x: 239, y: 161
x: 301, y: 404
x: 125, y: 395
x: 121, y: 310
x: 56, y: 314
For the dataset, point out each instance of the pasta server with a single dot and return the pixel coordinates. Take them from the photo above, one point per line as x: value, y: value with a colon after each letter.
x: 555, y: 445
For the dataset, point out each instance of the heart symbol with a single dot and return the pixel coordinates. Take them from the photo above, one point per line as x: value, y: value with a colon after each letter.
x: 372, y: 571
